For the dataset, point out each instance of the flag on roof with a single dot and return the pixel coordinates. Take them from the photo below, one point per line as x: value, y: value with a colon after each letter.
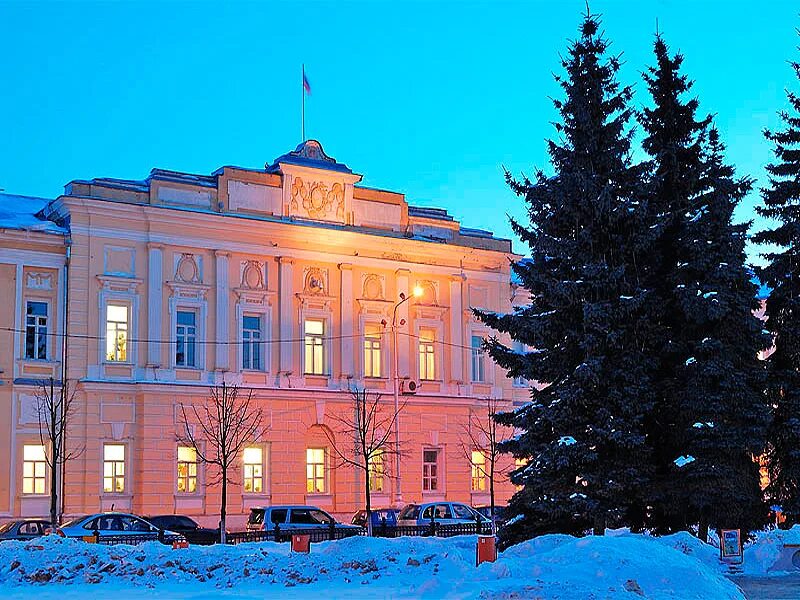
x: 306, y: 85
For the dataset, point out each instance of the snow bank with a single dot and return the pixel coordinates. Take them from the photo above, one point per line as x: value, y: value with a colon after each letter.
x: 552, y: 566
x: 766, y: 555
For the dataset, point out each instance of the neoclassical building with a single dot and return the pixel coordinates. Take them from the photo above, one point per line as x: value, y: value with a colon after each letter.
x: 286, y: 281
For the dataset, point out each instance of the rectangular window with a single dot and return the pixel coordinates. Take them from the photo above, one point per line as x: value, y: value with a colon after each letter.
x: 376, y: 472
x: 430, y: 470
x: 519, y: 348
x: 116, y: 333
x: 36, y: 330
x: 34, y: 468
x: 253, y: 470
x: 251, y: 342
x: 187, y: 470
x: 427, y: 354
x: 478, y: 360
x: 186, y: 339
x: 315, y: 470
x: 478, y: 471
x: 113, y: 468
x: 314, y: 347
x: 372, y: 351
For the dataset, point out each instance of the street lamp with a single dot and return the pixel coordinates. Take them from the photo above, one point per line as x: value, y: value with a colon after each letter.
x: 417, y: 292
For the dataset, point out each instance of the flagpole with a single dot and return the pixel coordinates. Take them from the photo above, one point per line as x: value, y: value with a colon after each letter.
x: 303, y: 105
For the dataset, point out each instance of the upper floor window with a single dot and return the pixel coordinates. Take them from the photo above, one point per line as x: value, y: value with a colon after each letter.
x: 519, y: 348
x: 314, y: 347
x: 116, y: 333
x: 36, y: 330
x: 315, y: 471
x: 33, y: 469
x: 251, y: 342
x: 372, y: 351
x: 430, y: 470
x: 478, y: 471
x: 186, y: 339
x: 253, y: 480
x: 478, y: 360
x: 187, y: 469
x: 427, y: 354
x: 113, y: 468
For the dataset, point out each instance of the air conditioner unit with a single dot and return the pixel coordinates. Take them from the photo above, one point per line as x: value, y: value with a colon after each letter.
x: 409, y: 386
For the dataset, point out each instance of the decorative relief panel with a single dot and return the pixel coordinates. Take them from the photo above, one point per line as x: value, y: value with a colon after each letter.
x: 39, y: 281
x: 315, y: 281
x: 252, y: 275
x: 430, y: 292
x: 372, y: 288
x: 319, y: 200
x: 187, y: 269
x: 119, y: 261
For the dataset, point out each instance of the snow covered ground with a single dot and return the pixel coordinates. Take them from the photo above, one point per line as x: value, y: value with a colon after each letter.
x: 553, y: 566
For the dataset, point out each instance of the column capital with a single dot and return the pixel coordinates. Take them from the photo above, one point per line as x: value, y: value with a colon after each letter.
x: 221, y: 253
x: 285, y: 260
x: 155, y: 246
x: 402, y: 272
x: 459, y: 277
x: 345, y: 267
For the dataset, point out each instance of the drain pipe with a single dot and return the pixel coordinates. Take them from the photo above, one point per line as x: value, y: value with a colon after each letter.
x: 64, y: 391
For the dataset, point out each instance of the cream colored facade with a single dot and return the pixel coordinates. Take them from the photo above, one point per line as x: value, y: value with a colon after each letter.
x: 282, y: 280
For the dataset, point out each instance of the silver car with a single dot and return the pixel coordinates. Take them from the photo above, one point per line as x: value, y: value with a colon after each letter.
x: 24, y: 529
x: 109, y: 524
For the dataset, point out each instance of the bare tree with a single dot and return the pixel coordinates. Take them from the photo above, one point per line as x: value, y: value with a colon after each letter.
x: 364, y: 438
x: 482, y: 433
x: 55, y: 408
x: 225, y: 423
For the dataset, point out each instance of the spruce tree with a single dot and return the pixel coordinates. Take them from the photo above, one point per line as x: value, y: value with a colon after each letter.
x: 582, y: 436
x: 709, y: 419
x: 782, y: 274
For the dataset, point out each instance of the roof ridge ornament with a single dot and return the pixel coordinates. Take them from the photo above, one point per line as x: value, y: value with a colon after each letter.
x: 309, y: 154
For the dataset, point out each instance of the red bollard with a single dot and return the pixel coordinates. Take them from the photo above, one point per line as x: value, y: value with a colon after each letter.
x: 301, y: 543
x: 180, y: 544
x: 486, y: 550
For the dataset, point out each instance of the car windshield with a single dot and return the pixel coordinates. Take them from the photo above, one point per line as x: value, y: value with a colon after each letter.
x: 73, y: 522
x: 185, y: 522
x: 410, y: 512
x: 6, y: 526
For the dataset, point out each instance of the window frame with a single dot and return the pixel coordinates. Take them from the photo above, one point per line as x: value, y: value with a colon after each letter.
x: 314, y: 475
x: 37, y: 329
x: 372, y: 350
x: 188, y: 477
x: 195, y: 336
x: 478, y: 370
x: 253, y: 466
x: 322, y: 345
x: 249, y: 344
x: 34, y: 477
x: 478, y: 473
x: 116, y: 475
x: 376, y: 472
x: 427, y: 476
x: 429, y: 354
x: 113, y: 302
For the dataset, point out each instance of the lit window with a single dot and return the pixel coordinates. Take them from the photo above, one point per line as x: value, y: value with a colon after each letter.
x: 427, y: 355
x: 430, y: 470
x: 519, y: 348
x: 478, y: 359
x: 116, y: 333
x: 36, y: 330
x: 314, y: 346
x: 251, y: 342
x: 33, y: 470
x: 187, y: 469
x: 478, y: 471
x: 113, y: 468
x: 253, y: 470
x: 186, y: 339
x: 315, y: 470
x: 376, y: 472
x: 519, y: 463
x: 372, y: 351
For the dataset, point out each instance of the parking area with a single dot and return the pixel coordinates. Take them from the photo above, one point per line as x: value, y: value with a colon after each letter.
x: 785, y: 587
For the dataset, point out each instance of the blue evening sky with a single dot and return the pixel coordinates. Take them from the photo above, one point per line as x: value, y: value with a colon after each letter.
x: 430, y: 99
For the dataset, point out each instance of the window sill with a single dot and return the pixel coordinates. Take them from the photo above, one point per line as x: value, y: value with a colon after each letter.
x: 324, y: 496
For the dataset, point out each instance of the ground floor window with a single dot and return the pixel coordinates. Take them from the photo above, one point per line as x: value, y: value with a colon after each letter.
x: 187, y: 470
x: 376, y: 472
x: 478, y: 471
x: 113, y: 468
x: 430, y: 470
x: 253, y: 479
x: 315, y: 471
x: 34, y: 469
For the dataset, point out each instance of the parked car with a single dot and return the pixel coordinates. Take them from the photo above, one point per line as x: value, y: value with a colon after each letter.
x: 187, y: 527
x: 445, y: 513
x: 499, y: 513
x: 264, y: 518
x: 110, y: 524
x: 24, y: 529
x: 379, y: 516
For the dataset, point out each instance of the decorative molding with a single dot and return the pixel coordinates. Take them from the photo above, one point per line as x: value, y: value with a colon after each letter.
x: 123, y: 285
x: 39, y: 281
x: 373, y: 286
x: 252, y: 275
x: 188, y: 269
x: 374, y: 307
x: 317, y: 199
x: 315, y: 281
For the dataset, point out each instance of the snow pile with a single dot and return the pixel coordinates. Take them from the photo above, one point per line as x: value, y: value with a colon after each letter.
x: 766, y: 555
x: 552, y: 566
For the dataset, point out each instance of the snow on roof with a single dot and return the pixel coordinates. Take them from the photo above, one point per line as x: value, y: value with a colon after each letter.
x: 23, y: 212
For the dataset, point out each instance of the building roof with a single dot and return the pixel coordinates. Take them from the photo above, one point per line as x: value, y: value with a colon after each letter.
x: 309, y: 154
x: 26, y: 213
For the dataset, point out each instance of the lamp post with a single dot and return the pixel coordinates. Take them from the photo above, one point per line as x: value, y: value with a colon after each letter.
x: 417, y: 292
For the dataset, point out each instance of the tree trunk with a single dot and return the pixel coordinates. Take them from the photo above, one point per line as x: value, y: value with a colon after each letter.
x: 368, y: 500
x: 223, y: 508
x: 702, y: 529
x: 599, y: 525
x: 54, y: 458
x: 491, y: 499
